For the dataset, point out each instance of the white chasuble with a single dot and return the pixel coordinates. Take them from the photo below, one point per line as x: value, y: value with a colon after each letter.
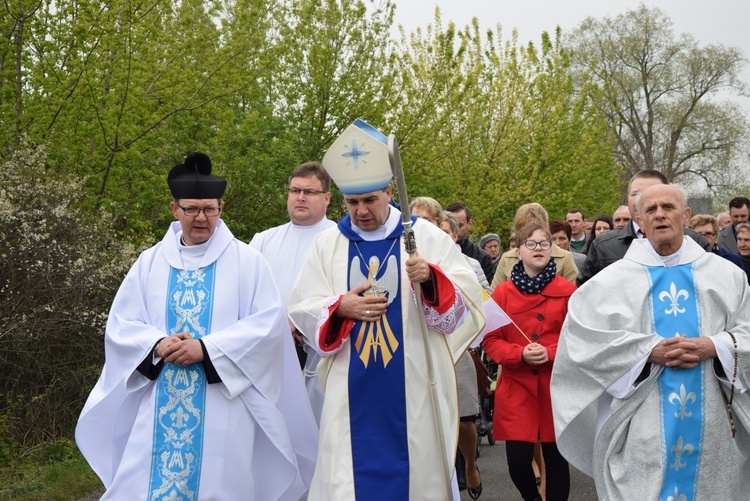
x: 669, y: 436
x: 239, y: 446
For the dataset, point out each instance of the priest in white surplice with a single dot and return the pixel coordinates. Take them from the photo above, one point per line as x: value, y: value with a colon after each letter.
x: 197, y: 345
x: 378, y: 438
x: 285, y: 248
x: 653, y: 348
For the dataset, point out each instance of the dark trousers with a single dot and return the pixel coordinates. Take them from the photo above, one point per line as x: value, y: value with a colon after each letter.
x: 521, y: 454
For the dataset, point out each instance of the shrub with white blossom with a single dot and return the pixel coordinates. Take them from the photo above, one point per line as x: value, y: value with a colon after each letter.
x: 59, y: 271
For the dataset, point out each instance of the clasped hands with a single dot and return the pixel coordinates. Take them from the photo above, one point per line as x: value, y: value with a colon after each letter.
x: 180, y: 349
x: 682, y: 353
x: 535, y: 354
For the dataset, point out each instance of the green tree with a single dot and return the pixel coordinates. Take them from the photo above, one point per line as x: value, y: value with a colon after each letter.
x: 332, y: 64
x: 660, y: 96
x: 121, y: 91
x: 338, y: 65
x: 497, y: 125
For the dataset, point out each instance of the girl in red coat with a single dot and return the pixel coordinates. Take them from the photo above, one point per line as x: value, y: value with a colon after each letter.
x: 536, y: 299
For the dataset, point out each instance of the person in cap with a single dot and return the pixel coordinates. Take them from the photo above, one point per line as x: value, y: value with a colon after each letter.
x: 196, y: 346
x: 354, y: 297
x: 490, y: 243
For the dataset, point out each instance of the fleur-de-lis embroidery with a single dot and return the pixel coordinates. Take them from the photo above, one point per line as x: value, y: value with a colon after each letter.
x: 677, y: 496
x: 673, y: 296
x: 678, y: 450
x: 683, y: 399
x: 179, y: 417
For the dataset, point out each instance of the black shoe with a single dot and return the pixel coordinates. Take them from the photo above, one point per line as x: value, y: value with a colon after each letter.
x: 476, y: 492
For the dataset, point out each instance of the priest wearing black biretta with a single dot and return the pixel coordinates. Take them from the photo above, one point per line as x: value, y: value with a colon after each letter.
x: 191, y: 402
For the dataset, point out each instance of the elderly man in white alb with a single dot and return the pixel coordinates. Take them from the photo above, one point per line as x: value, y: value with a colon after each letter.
x: 285, y: 248
x: 355, y: 298
x: 187, y: 406
x: 649, y: 384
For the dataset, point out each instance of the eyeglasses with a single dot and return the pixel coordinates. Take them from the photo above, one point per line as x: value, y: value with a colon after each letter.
x: 709, y: 234
x: 532, y: 244
x: 295, y: 192
x: 194, y: 211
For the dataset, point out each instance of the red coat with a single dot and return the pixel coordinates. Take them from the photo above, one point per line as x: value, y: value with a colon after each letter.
x: 523, y: 409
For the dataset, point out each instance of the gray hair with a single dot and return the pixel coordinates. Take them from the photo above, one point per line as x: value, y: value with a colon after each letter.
x: 680, y: 191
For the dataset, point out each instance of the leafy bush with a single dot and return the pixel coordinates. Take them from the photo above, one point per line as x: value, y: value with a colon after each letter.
x: 59, y: 270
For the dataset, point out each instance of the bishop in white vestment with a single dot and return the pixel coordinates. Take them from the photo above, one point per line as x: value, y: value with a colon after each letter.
x: 378, y: 435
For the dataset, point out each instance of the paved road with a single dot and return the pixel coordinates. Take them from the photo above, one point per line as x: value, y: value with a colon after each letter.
x: 496, y: 482
x: 497, y: 485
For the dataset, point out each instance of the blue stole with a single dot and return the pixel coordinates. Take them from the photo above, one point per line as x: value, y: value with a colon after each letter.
x: 676, y: 313
x: 377, y: 393
x: 181, y: 392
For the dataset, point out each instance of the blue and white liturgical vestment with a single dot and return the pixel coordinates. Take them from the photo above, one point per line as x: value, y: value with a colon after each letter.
x: 181, y: 391
x: 377, y: 433
x: 179, y: 437
x: 676, y: 314
x: 665, y: 435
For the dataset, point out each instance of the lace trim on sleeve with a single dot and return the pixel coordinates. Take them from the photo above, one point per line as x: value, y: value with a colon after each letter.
x: 451, y: 319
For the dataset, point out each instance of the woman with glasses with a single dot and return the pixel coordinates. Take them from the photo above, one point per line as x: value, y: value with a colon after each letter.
x: 530, y: 213
x: 536, y: 300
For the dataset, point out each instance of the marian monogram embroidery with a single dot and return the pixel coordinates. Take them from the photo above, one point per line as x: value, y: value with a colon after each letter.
x: 181, y: 393
x: 189, y: 302
x: 178, y: 422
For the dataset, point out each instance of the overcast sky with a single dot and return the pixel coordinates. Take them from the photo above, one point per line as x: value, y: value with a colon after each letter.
x: 709, y: 21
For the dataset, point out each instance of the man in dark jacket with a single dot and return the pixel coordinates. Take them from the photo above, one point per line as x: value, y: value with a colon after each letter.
x: 461, y: 212
x: 739, y: 211
x: 612, y: 245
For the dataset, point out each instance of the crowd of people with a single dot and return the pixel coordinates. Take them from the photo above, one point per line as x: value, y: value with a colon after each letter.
x: 333, y: 360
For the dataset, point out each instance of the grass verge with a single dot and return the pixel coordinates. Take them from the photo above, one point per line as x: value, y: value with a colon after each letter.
x: 55, y: 472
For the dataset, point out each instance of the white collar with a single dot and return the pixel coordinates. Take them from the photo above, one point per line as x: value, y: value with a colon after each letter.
x: 380, y: 233
x: 670, y: 260
x: 310, y: 227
